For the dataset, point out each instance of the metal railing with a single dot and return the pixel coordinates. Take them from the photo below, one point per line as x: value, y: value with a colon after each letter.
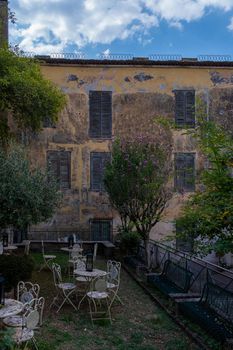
x: 115, y: 56
x: 215, y: 58
x: 126, y: 56
x: 165, y: 57
x: 203, y: 271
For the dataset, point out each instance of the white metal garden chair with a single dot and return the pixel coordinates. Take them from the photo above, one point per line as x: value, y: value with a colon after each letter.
x: 99, y: 300
x: 48, y: 259
x: 75, y: 254
x: 113, y: 282
x: 18, y: 320
x: 64, y: 289
x: 25, y: 333
x: 26, y: 246
x: 26, y: 291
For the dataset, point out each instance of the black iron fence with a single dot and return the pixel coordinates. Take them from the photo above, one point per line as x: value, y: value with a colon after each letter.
x: 202, y: 270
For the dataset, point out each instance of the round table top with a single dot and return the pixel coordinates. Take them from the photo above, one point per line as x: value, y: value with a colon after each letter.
x: 10, y: 308
x: 70, y: 250
x: 90, y: 274
x: 10, y: 247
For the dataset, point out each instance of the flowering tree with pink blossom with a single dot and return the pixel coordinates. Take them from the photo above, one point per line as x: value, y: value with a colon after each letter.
x: 136, y: 180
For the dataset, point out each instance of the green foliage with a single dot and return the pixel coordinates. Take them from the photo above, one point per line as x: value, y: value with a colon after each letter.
x: 16, y: 268
x: 209, y: 212
x: 26, y: 195
x: 129, y: 240
x: 136, y: 182
x: 26, y: 94
x: 6, y: 340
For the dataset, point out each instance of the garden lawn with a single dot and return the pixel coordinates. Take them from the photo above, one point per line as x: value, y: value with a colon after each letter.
x: 137, y: 325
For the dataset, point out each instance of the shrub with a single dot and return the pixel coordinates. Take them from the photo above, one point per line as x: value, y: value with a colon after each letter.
x: 129, y: 241
x: 15, y: 268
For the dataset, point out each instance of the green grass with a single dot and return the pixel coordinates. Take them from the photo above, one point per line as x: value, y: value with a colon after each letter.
x: 137, y: 325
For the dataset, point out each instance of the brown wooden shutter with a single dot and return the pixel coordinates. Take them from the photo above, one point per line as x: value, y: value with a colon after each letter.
x: 190, y: 109
x: 106, y: 114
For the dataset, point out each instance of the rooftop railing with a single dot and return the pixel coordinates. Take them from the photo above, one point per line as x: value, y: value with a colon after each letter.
x: 128, y: 56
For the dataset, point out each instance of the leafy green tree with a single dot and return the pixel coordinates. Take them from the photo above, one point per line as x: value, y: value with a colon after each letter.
x: 209, y: 212
x: 136, y: 182
x: 26, y: 94
x: 27, y: 195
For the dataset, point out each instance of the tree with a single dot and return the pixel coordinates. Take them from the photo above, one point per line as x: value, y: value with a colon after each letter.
x: 26, y: 94
x: 208, y: 214
x: 27, y: 195
x: 136, y: 182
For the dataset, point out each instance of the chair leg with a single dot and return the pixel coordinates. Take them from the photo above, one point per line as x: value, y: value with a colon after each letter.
x: 66, y: 299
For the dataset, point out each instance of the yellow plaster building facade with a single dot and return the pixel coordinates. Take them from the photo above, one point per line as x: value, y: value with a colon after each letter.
x: 109, y: 98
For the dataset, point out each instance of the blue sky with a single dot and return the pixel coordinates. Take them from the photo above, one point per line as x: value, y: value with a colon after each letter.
x: 138, y: 27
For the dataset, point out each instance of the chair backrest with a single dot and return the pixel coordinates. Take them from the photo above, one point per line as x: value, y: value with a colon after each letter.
x: 79, y: 264
x: 26, y: 246
x: 42, y: 247
x: 114, y: 271
x: 35, y: 304
x: 76, y: 251
x: 1, y: 248
x: 95, y: 251
x: 26, y: 291
x: 99, y: 284
x: 32, y: 319
x: 57, y: 277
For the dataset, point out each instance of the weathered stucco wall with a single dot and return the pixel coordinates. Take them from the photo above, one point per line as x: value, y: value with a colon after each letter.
x: 140, y: 94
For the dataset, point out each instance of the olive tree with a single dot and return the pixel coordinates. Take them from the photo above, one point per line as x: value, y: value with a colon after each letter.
x: 136, y: 181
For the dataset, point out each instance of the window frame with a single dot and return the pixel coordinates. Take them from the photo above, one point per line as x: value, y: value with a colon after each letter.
x: 186, y: 187
x: 58, y: 172
x: 101, y: 221
x: 185, y: 109
x: 96, y: 108
x: 104, y: 156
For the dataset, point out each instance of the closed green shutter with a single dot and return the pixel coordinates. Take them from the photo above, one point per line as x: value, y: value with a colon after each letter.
x: 101, y: 230
x: 185, y: 172
x: 100, y: 114
x: 59, y: 163
x: 98, y: 163
x: 185, y: 108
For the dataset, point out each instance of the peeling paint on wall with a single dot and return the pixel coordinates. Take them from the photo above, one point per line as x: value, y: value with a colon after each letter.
x: 143, y: 77
x: 217, y: 78
x: 72, y: 77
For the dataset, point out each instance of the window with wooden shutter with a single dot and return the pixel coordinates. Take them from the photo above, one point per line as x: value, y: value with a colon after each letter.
x: 101, y: 230
x: 100, y: 112
x: 185, y: 108
x: 59, y: 164
x: 98, y: 163
x: 185, y: 172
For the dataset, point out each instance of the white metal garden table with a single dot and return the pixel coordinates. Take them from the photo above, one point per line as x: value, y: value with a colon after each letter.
x: 10, y: 308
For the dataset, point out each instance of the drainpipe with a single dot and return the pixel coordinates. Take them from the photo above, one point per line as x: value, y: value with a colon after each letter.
x: 3, y: 23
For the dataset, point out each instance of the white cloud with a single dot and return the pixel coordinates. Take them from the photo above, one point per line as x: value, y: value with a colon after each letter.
x: 52, y: 25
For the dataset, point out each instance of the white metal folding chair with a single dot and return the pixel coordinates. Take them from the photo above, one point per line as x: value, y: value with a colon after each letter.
x: 17, y: 320
x: 95, y: 251
x: 48, y: 259
x: 99, y: 300
x: 113, y: 282
x: 25, y: 333
x: 1, y: 248
x: 75, y: 254
x: 26, y: 247
x: 64, y: 290
x: 26, y: 291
